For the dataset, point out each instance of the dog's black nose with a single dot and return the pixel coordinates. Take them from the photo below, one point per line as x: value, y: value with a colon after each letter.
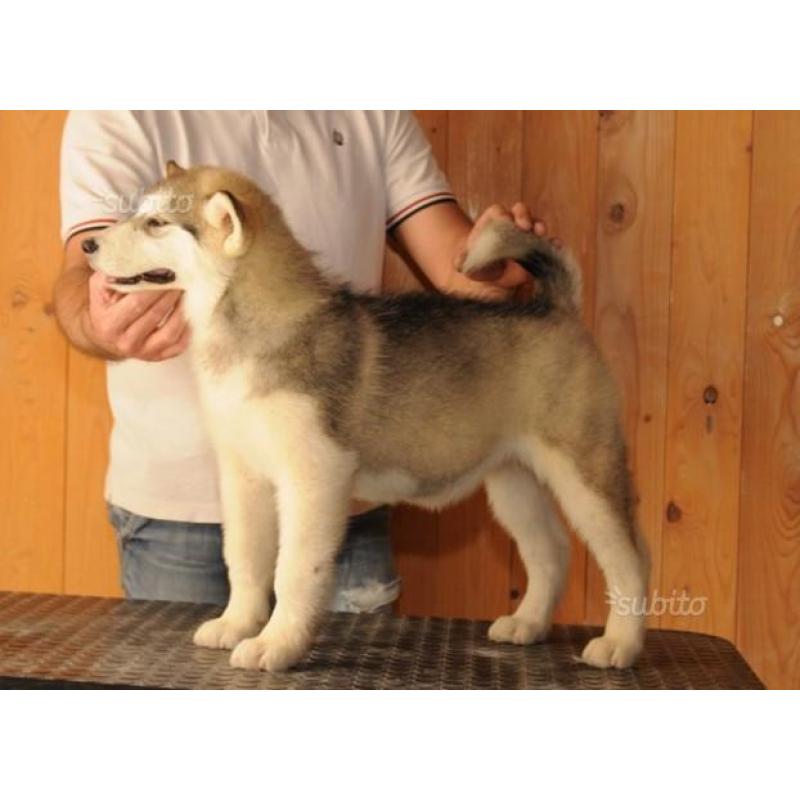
x: 89, y: 246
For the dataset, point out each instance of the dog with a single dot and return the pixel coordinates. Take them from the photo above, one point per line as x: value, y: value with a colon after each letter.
x: 315, y: 394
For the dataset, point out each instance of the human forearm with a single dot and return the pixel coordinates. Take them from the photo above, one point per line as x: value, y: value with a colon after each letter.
x: 431, y: 239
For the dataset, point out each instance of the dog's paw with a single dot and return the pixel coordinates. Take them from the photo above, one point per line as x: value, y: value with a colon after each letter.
x: 516, y: 630
x: 604, y: 652
x: 267, y: 652
x: 224, y: 633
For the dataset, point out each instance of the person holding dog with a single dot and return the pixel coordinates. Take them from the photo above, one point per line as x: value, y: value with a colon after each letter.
x: 345, y: 180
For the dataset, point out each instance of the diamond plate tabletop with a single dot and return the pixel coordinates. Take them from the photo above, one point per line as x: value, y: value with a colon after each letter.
x: 56, y: 641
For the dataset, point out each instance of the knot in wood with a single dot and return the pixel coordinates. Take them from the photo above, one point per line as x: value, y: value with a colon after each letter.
x: 617, y: 212
x: 674, y: 513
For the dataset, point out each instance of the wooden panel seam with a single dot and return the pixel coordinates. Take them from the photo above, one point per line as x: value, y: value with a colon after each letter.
x: 745, y: 322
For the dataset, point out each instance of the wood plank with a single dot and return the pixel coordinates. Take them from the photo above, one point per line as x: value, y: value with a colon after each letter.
x: 473, y: 564
x: 415, y: 542
x: 634, y: 250
x: 484, y: 167
x: 32, y: 355
x: 706, y: 360
x: 91, y: 560
x: 560, y: 187
x: 560, y: 184
x: 485, y: 158
x: 769, y: 545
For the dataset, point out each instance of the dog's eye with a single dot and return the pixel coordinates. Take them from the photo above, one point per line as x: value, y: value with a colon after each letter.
x: 155, y: 222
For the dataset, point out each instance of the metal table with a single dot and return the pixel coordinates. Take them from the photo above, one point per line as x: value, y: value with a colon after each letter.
x: 56, y: 641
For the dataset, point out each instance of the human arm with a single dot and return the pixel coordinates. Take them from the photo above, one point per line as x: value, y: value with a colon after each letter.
x: 425, y: 223
x: 437, y: 237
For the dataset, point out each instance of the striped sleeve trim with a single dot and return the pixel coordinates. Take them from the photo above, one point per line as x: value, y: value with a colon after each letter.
x: 422, y: 202
x: 89, y: 225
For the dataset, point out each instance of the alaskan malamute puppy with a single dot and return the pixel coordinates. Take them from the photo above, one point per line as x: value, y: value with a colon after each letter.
x: 315, y: 395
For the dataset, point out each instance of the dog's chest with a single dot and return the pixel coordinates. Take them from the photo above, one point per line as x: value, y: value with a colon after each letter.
x: 227, y: 403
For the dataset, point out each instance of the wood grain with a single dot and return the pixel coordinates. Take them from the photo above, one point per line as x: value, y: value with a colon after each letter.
x: 634, y: 250
x: 769, y: 555
x: 91, y: 561
x: 560, y: 186
x: 32, y: 356
x: 706, y: 360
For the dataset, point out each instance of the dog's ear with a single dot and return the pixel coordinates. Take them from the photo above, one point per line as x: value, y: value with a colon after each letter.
x: 174, y: 169
x: 221, y: 213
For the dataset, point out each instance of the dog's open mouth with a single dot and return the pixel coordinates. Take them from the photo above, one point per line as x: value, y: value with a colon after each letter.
x: 152, y: 276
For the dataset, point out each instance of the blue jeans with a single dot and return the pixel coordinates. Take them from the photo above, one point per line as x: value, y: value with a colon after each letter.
x: 165, y: 560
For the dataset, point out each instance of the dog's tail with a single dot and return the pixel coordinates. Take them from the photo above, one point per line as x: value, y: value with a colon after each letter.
x: 557, y: 272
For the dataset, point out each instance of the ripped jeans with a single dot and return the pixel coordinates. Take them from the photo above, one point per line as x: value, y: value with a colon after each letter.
x: 165, y: 560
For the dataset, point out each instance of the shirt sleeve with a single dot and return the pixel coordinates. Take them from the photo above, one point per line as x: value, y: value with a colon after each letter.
x: 107, y: 160
x: 413, y: 178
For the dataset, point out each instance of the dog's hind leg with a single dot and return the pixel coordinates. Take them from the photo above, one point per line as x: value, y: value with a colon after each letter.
x: 521, y: 504
x: 250, y: 544
x: 604, y: 519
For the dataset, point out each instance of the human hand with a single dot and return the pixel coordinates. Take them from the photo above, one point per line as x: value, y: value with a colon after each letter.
x: 149, y: 326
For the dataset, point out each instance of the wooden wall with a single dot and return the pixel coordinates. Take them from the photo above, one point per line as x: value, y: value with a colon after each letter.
x: 54, y: 536
x: 688, y: 229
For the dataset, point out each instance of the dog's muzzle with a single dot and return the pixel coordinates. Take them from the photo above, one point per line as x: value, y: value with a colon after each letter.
x: 90, y: 246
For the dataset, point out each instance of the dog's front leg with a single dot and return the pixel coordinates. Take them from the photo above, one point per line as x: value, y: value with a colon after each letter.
x: 313, y: 518
x: 250, y: 544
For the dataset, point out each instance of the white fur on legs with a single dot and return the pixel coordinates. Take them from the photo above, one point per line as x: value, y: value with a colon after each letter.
x: 250, y: 543
x: 313, y: 504
x: 525, y: 510
x: 611, y: 540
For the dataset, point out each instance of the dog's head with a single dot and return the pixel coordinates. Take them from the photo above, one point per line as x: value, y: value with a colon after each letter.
x: 192, y: 227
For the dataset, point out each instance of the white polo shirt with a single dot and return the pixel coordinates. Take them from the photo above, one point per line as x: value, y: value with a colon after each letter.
x: 341, y: 177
